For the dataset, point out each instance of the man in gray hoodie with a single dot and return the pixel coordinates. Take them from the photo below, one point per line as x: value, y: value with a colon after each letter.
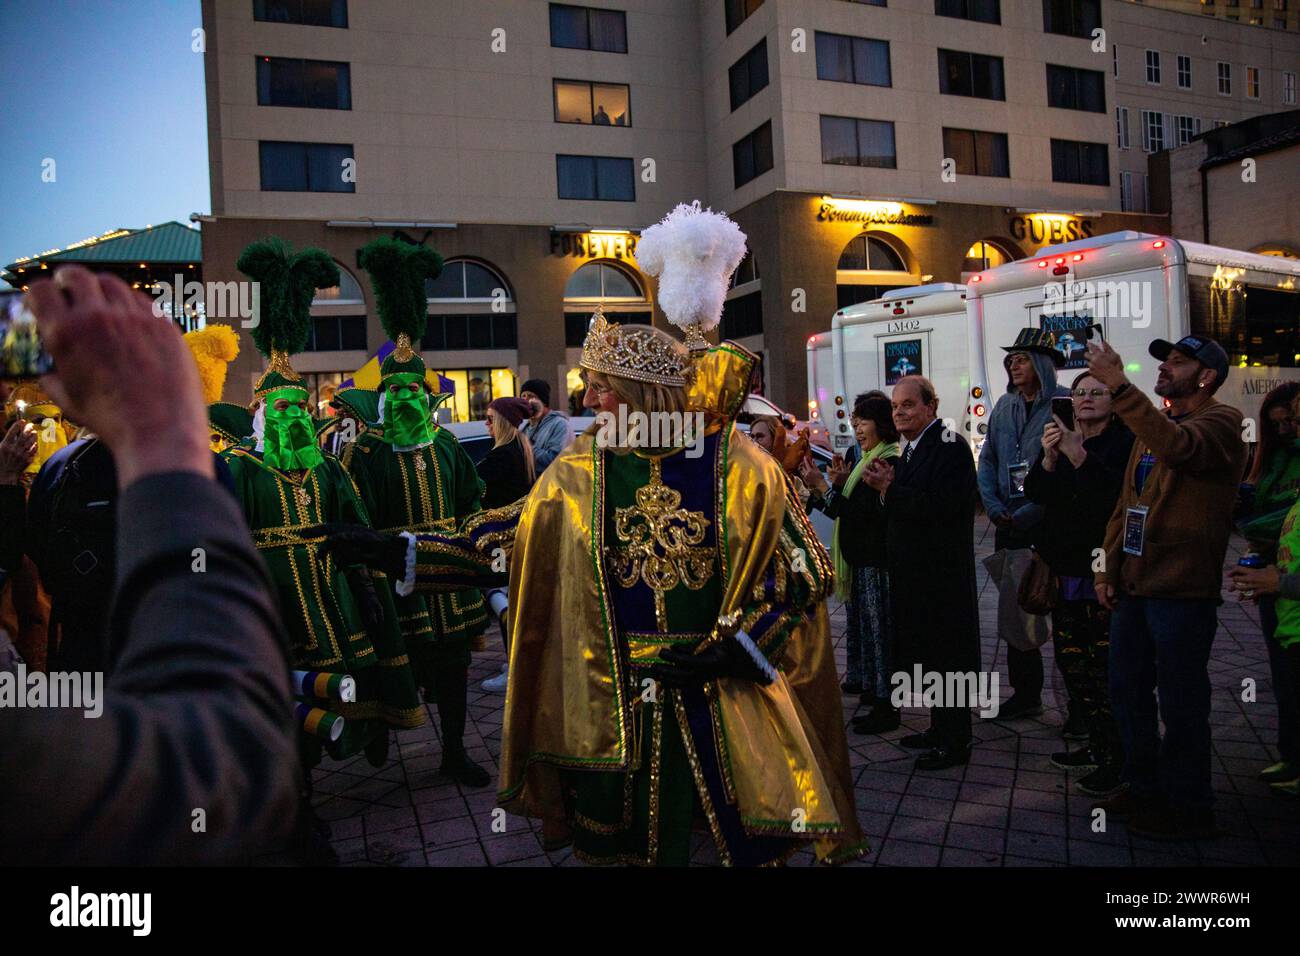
x: 1014, y: 441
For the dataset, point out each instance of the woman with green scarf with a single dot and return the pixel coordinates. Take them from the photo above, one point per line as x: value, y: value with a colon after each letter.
x: 858, y: 552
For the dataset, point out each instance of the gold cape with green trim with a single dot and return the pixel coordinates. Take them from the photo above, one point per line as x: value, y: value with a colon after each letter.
x: 568, y: 704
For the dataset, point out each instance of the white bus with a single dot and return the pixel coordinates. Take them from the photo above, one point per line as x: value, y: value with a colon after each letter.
x: 1138, y: 287
x: 917, y: 331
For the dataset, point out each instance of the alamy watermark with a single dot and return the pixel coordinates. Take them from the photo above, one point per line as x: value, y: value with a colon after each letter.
x: 214, y: 300
x: 919, y: 688
x: 1128, y: 300
x: 73, y: 690
x: 635, y: 429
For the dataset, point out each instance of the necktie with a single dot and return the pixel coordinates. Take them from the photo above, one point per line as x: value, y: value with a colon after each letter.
x: 907, y: 452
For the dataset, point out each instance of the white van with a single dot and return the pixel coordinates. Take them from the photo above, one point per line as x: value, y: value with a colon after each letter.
x: 1138, y: 287
x: 921, y: 330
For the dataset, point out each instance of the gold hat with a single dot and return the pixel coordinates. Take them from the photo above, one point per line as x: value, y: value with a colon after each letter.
x: 638, y: 352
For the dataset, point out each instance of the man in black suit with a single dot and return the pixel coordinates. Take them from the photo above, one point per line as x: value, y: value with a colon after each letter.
x: 928, y: 503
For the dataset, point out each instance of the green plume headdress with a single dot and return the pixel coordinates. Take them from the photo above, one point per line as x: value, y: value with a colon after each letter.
x: 287, y: 283
x: 397, y: 273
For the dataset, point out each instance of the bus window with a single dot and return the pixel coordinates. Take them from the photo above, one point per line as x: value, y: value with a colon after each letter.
x: 1256, y: 325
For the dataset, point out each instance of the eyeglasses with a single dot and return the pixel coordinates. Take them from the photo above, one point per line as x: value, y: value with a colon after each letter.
x: 598, y: 389
x: 1094, y: 392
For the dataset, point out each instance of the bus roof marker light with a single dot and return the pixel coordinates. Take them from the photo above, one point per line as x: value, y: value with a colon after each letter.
x: 1042, y: 263
x: 1077, y: 256
x: 1158, y: 244
x: 976, y: 278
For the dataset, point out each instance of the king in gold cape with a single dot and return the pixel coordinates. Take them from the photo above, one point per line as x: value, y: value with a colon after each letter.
x: 612, y: 558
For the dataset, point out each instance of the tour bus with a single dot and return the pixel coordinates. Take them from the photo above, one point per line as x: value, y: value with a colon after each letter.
x: 914, y: 331
x: 821, y: 375
x: 1132, y: 287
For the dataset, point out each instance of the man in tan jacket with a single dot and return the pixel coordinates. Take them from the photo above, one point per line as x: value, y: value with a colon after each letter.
x: 1161, y: 574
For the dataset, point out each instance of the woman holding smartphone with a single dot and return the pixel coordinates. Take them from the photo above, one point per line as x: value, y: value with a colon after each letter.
x: 1078, y: 479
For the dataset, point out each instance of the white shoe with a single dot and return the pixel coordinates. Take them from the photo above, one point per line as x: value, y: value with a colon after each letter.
x: 496, y: 685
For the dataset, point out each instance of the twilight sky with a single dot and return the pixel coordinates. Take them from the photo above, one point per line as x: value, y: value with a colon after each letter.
x: 113, y: 93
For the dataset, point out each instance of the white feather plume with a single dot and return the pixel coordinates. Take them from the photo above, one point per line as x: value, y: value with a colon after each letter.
x: 693, y: 251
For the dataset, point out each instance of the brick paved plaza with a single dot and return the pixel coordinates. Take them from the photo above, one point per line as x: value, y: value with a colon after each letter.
x: 1008, y: 807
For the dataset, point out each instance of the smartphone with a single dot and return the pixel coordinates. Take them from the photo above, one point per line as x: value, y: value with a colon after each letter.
x: 22, y: 353
x: 1063, y: 408
x: 1095, y: 331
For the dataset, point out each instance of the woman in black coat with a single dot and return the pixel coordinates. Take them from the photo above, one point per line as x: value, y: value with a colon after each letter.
x: 508, y: 468
x: 858, y: 553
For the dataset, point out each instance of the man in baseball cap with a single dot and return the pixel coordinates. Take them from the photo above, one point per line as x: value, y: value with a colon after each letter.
x: 1160, y: 577
x: 1207, y: 352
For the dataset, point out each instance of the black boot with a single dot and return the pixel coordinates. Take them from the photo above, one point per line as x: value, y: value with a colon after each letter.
x: 450, y: 685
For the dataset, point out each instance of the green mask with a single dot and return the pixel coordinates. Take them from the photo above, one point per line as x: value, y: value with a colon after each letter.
x: 289, y: 438
x: 406, y: 411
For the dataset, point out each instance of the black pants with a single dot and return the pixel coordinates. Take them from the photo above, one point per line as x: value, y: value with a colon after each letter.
x: 1285, y: 683
x: 951, y: 726
x: 1081, y: 638
x: 1024, y: 668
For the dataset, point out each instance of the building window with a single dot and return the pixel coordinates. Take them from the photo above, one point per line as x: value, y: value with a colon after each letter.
x: 1084, y: 163
x: 464, y: 279
x: 971, y: 74
x: 307, y: 167
x: 749, y: 74
x: 347, y: 292
x: 1153, y: 131
x: 868, y: 268
x: 752, y: 156
x: 1288, y: 88
x: 595, y: 177
x: 1075, y: 18
x: 1184, y: 72
x: 852, y: 59
x: 598, y: 104
x: 1279, y: 23
x: 1186, y: 127
x: 587, y: 28
x: 1153, y: 66
x: 743, y: 315
x: 858, y: 142
x: 985, y: 11
x: 1121, y: 127
x: 1133, y: 192
x: 314, y: 13
x: 1071, y: 88
x: 984, y: 255
x: 610, y: 286
x: 977, y: 153
x: 738, y: 12
x: 458, y: 331
x: 1225, y: 79
x: 1252, y: 82
x: 313, y: 84
x: 337, y: 333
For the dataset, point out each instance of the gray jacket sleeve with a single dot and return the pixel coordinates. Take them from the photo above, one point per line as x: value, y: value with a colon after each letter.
x: 193, y: 757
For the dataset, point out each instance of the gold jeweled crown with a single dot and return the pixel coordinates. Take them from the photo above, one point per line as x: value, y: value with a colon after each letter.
x: 637, y: 352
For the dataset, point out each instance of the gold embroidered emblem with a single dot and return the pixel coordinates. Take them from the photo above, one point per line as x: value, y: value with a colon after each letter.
x: 420, y: 465
x: 304, y: 499
x: 660, y: 543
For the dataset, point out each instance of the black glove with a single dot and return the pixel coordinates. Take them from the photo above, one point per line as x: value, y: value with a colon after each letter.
x: 357, y: 544
x: 367, y: 598
x: 725, y: 658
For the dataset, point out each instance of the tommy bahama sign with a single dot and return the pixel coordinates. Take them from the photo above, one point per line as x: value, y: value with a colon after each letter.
x: 882, y: 214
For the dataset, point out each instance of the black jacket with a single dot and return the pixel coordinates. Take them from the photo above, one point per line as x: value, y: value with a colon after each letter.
x: 862, y: 526
x: 505, y: 472
x: 1078, y: 502
x: 929, y: 513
